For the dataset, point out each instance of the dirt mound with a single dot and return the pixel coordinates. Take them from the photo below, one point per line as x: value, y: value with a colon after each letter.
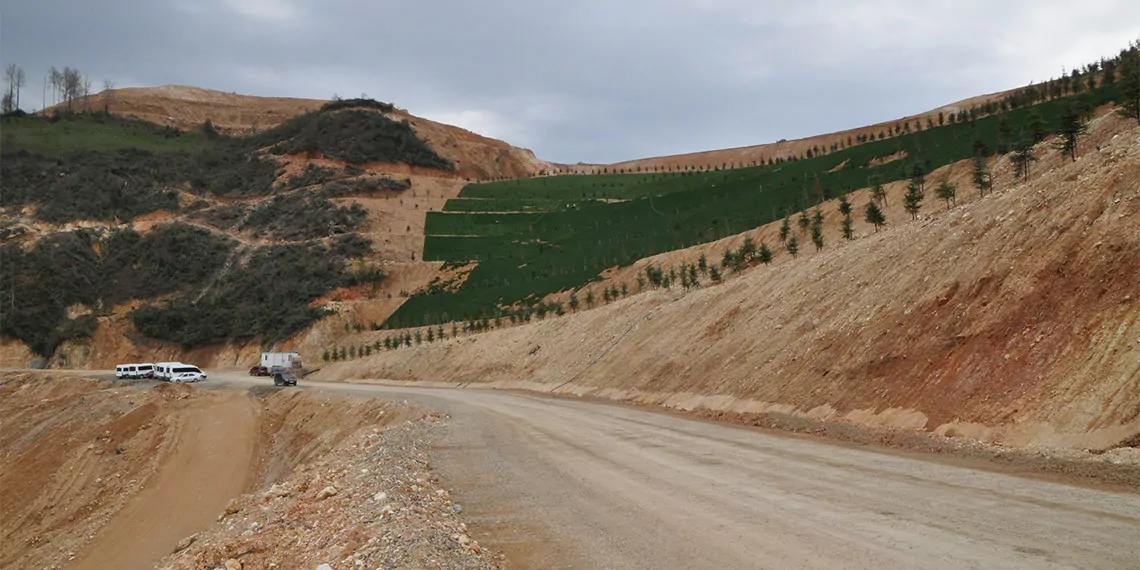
x: 1012, y: 318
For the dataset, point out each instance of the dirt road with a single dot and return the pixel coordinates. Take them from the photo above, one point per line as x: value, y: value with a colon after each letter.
x: 209, y: 463
x: 570, y: 484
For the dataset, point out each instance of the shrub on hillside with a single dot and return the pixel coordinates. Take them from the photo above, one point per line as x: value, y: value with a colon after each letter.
x: 356, y: 135
x: 269, y: 297
x: 364, y: 185
x: 312, y: 174
x: 65, y: 269
x: 302, y: 215
x: 223, y: 217
x: 357, y: 103
x: 228, y: 170
x: 104, y: 186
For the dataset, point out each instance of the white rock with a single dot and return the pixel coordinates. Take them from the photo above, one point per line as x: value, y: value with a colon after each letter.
x: 378, y: 497
x: 324, y: 567
x: 326, y: 493
x: 185, y: 543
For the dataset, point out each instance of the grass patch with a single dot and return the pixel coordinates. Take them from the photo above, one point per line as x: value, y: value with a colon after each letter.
x: 62, y: 136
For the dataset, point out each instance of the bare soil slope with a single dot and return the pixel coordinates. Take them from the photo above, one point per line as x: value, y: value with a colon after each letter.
x: 99, y: 474
x: 86, y: 459
x: 1012, y: 318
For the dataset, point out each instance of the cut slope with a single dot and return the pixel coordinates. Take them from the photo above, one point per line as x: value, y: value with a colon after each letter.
x: 1013, y: 318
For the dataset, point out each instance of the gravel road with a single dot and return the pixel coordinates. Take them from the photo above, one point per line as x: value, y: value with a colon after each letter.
x: 571, y: 484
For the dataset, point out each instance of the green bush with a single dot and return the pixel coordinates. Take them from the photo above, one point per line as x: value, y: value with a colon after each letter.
x: 364, y: 185
x: 269, y: 297
x: 302, y: 215
x: 355, y: 135
x: 357, y: 103
x: 312, y: 175
x: 223, y: 217
x: 84, y: 267
x: 107, y: 186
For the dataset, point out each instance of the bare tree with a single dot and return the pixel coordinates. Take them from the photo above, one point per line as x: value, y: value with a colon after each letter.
x: 86, y: 94
x: 14, y: 76
x: 10, y: 80
x: 72, y: 86
x: 56, y: 80
x: 21, y: 81
x: 108, y: 95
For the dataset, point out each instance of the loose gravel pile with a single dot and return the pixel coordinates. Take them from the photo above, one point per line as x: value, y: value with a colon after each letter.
x: 372, y: 502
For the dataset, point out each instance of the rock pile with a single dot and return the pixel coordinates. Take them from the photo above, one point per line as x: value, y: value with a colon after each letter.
x: 371, y: 503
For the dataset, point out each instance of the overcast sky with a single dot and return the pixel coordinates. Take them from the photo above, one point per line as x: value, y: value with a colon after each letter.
x: 585, y: 80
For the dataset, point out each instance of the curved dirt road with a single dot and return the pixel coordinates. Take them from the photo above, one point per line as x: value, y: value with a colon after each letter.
x: 571, y: 484
x: 209, y: 464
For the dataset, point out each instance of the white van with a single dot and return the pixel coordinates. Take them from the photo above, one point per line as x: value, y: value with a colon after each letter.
x: 122, y: 371
x: 186, y: 373
x: 144, y: 370
x: 162, y: 370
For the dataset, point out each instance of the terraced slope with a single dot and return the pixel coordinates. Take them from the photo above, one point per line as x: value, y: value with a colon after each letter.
x: 535, y: 237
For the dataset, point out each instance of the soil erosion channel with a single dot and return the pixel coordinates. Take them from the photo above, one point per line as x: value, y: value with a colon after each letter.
x: 561, y: 484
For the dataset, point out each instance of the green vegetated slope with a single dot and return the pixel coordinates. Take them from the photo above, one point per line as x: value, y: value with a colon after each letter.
x: 203, y: 286
x: 539, y: 236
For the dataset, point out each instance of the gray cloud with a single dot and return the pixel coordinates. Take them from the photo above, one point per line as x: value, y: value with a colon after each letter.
x: 590, y: 80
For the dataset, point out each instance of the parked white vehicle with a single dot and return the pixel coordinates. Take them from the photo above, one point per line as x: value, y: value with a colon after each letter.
x: 123, y: 371
x: 162, y: 370
x: 144, y: 370
x: 187, y: 373
x: 284, y: 359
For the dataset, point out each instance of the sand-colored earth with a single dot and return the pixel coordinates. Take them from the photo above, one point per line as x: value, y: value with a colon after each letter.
x: 99, y: 474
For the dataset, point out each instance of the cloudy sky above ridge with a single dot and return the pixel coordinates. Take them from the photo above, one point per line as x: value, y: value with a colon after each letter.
x: 587, y: 80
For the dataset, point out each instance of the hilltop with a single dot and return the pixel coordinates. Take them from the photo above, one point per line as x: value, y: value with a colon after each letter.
x: 187, y: 108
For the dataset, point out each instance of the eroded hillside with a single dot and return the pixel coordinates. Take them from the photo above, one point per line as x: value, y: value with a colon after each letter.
x: 1012, y: 318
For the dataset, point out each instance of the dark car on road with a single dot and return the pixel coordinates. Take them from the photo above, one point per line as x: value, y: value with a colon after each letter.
x: 259, y: 371
x: 284, y: 379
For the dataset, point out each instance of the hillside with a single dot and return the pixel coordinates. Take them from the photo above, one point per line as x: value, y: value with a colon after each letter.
x: 394, y: 222
x: 1011, y: 318
x: 154, y: 214
x: 758, y: 154
x: 533, y: 238
x: 187, y: 108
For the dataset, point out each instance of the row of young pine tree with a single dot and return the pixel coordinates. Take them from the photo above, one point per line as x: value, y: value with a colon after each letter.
x: 690, y: 275
x: 1123, y: 71
x: 1018, y: 146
